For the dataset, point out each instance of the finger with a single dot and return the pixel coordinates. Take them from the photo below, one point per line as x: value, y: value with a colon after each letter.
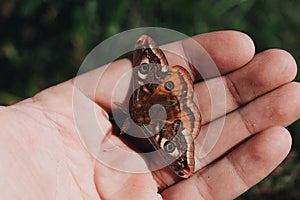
x: 278, y: 108
x: 216, y: 54
x: 235, y: 49
x: 238, y: 171
x: 100, y: 84
x: 265, y: 72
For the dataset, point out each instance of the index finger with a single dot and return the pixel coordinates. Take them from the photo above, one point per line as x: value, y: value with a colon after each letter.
x: 223, y: 52
x: 229, y: 50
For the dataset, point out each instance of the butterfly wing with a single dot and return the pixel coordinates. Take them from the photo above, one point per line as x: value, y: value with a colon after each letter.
x: 162, y: 104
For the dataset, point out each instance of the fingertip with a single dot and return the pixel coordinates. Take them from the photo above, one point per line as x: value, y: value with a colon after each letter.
x: 229, y: 49
x: 265, y: 151
x: 282, y: 141
x: 287, y: 64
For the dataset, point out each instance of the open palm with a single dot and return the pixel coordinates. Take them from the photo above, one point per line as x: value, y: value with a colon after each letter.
x: 42, y: 156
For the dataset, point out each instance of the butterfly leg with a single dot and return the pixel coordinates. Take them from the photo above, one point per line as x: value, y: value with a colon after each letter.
x: 126, y: 124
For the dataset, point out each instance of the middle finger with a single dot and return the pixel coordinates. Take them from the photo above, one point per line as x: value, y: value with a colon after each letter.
x: 265, y: 72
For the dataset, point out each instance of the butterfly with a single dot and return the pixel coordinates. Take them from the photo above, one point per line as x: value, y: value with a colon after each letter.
x: 162, y: 105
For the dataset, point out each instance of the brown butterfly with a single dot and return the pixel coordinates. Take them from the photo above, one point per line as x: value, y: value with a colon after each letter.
x: 162, y: 105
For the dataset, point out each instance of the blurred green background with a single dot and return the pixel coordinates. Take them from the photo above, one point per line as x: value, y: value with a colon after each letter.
x: 43, y: 42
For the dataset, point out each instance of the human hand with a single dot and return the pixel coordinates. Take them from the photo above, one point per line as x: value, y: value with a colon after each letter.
x: 43, y: 157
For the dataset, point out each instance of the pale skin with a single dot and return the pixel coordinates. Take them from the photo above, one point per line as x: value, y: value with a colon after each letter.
x: 42, y: 157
